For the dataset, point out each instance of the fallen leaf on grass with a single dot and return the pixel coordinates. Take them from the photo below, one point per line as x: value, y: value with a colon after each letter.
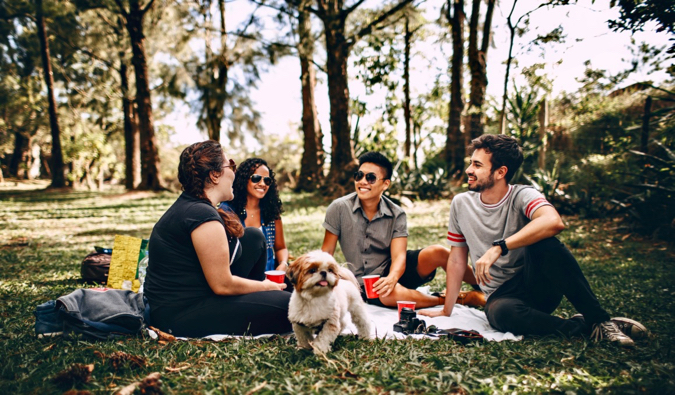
x: 567, y: 361
x: 625, y: 237
x: 151, y: 385
x: 120, y: 358
x: 163, y: 336
x: 76, y: 374
x: 177, y: 369
x: 257, y: 388
x: 77, y: 392
x: 347, y: 374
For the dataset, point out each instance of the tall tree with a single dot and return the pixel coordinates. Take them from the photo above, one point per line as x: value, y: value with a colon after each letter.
x: 478, y: 65
x: 334, y: 15
x: 133, y: 17
x: 57, y: 165
x: 311, y: 164
x: 455, y: 141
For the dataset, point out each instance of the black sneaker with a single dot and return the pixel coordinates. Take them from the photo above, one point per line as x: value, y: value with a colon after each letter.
x: 628, y: 327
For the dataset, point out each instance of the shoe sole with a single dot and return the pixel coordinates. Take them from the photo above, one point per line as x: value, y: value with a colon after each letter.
x: 638, y: 331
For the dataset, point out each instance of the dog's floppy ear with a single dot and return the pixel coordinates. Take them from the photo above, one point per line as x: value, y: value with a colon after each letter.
x: 294, y: 268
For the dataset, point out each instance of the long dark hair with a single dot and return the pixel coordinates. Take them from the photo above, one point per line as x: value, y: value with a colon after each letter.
x: 270, y: 204
x: 194, y: 172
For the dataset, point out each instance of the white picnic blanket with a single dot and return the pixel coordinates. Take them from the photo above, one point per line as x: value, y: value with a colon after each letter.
x: 383, y: 320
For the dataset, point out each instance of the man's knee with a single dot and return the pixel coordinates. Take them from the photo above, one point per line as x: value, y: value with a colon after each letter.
x: 504, y: 315
x: 434, y: 256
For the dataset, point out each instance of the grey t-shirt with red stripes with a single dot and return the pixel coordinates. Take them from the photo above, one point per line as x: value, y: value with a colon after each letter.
x: 476, y: 225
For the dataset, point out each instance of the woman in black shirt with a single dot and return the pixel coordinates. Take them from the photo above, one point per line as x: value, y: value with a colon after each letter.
x: 206, y: 272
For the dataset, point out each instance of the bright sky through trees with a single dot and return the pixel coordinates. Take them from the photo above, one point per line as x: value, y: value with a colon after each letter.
x: 587, y: 38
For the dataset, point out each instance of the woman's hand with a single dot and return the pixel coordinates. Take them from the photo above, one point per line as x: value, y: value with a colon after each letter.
x: 283, y: 266
x: 272, y: 286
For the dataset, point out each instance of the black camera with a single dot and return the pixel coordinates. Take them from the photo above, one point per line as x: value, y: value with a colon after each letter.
x: 409, y: 323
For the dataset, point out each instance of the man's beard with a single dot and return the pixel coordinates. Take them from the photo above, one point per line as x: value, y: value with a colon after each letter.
x: 480, y: 186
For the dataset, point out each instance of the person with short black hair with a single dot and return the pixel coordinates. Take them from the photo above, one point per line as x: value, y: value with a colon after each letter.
x: 373, y: 235
x: 509, y: 232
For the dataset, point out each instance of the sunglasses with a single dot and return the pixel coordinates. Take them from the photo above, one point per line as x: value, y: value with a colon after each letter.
x: 255, y: 178
x: 370, y: 177
x: 232, y: 165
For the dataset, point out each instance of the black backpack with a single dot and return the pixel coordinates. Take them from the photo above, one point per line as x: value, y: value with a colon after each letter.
x: 95, y: 267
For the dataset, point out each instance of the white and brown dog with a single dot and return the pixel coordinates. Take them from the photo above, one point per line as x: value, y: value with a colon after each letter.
x: 323, y: 294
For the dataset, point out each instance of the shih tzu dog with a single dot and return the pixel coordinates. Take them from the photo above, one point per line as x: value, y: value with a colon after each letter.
x: 323, y: 294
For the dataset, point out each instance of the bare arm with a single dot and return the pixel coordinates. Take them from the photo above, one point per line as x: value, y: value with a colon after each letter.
x: 457, y: 261
x: 210, y: 242
x: 546, y: 222
x: 280, y: 250
x: 329, y: 243
x: 385, y: 285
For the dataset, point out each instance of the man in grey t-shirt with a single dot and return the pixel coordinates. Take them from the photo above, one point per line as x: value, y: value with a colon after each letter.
x: 373, y: 235
x: 523, y: 269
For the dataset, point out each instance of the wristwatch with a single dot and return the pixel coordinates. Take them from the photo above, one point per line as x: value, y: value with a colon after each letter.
x: 502, y: 244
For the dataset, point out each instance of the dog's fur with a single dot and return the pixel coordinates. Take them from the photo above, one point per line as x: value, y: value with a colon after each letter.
x: 323, y: 293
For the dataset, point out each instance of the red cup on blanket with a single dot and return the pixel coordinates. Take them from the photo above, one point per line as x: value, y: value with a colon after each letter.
x: 405, y: 303
x: 276, y: 276
x: 368, y: 282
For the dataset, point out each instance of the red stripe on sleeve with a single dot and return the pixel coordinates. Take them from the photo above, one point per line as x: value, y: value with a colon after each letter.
x: 534, y: 204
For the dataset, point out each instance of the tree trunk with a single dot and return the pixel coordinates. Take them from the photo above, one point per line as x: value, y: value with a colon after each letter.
x: 311, y: 164
x: 543, y: 127
x: 454, y: 148
x: 150, y: 174
x: 132, y: 139
x: 343, y: 161
x: 217, y: 68
x: 512, y: 32
x: 645, y: 125
x: 18, y: 155
x: 58, y: 169
x: 406, y: 88
x: 477, y: 64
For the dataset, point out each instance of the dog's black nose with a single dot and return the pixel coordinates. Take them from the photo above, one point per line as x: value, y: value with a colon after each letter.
x: 323, y: 273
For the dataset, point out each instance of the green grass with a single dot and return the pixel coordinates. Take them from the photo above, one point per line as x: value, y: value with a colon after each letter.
x: 45, y: 234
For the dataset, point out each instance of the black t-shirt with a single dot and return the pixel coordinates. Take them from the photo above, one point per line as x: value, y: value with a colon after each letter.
x: 175, y: 277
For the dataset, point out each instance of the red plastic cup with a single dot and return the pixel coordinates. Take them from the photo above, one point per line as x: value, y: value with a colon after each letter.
x: 276, y: 276
x: 404, y: 303
x: 368, y: 281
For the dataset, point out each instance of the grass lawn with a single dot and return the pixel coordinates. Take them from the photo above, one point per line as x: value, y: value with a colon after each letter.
x: 45, y: 234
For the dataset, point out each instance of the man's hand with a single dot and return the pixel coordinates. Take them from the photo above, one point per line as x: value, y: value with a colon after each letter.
x: 434, y: 313
x: 385, y: 285
x: 485, y: 262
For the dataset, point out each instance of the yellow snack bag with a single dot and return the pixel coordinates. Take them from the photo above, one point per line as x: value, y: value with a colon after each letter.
x: 127, y: 253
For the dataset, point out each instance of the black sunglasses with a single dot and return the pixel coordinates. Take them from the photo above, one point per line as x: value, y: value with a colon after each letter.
x: 255, y: 178
x: 370, y: 177
x: 232, y: 165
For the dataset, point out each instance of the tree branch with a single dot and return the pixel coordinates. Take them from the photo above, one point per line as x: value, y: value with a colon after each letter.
x: 123, y: 11
x: 368, y: 29
x: 147, y: 7
x: 344, y: 13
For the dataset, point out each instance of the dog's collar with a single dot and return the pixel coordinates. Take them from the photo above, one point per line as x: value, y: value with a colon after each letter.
x: 318, y: 326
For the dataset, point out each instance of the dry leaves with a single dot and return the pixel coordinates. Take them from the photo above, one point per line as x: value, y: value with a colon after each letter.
x: 151, y: 385
x: 76, y: 374
x: 164, y: 337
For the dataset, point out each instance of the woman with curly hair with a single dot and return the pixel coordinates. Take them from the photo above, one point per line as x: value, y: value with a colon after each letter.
x: 256, y: 202
x: 206, y: 272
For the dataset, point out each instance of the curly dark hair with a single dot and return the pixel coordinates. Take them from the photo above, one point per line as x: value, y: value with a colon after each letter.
x: 197, y: 161
x: 270, y: 204
x: 504, y: 149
